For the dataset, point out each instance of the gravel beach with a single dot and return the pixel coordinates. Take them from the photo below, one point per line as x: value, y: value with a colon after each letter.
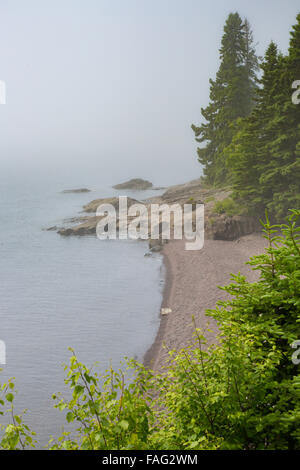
x: 191, y: 287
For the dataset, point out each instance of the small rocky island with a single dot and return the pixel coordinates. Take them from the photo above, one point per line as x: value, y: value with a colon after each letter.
x: 76, y: 191
x: 135, y: 184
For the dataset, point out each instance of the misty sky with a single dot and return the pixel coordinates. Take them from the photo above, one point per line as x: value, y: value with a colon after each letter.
x: 112, y: 86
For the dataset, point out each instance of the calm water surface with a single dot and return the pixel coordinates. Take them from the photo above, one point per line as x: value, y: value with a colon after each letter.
x: 100, y: 297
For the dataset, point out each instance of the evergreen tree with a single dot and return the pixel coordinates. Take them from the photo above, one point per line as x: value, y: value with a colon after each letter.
x: 231, y: 97
x: 249, y: 146
x: 251, y: 68
x: 264, y: 157
x: 280, y: 175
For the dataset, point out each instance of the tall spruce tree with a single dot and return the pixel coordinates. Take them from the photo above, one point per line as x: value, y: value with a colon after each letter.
x: 231, y: 97
x: 264, y: 157
x: 251, y: 68
x: 280, y: 175
x: 249, y: 148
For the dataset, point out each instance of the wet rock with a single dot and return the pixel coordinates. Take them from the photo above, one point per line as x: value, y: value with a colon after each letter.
x: 51, y: 229
x: 114, y: 201
x: 136, y: 184
x: 156, y: 249
x: 230, y: 228
x: 86, y: 228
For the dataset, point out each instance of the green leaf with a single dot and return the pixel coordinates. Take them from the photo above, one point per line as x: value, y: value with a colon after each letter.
x: 124, y: 425
x: 9, y: 397
x: 70, y: 417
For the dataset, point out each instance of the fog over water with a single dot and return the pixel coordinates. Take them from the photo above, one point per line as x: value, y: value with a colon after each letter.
x: 112, y: 86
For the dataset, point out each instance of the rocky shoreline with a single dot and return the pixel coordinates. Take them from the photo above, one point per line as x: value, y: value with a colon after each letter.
x: 191, y: 277
x: 217, y: 226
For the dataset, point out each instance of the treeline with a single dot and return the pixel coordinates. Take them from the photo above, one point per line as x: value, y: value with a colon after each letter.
x: 251, y: 131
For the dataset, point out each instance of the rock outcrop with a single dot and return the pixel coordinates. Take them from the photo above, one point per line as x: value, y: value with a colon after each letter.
x: 114, y: 201
x: 217, y: 226
x: 136, y: 184
x: 230, y: 228
x: 86, y: 228
x: 88, y: 224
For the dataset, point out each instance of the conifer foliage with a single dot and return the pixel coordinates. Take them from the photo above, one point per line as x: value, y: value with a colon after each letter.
x: 264, y: 158
x: 251, y: 137
x: 231, y: 97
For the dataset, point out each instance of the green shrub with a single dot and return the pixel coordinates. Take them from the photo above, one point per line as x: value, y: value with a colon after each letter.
x: 15, y: 435
x: 227, y: 206
x: 111, y: 410
x: 209, y: 199
x: 244, y: 392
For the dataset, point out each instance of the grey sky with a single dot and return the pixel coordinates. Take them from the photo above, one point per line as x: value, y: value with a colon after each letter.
x: 112, y: 86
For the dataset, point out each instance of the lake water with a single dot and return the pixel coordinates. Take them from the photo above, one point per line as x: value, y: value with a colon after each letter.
x: 100, y: 297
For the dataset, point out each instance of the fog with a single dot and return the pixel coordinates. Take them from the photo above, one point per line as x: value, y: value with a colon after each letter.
x: 111, y: 87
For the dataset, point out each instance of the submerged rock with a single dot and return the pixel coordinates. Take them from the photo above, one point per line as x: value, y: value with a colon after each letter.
x: 76, y: 191
x: 86, y: 228
x: 74, y: 220
x: 50, y: 229
x: 156, y: 249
